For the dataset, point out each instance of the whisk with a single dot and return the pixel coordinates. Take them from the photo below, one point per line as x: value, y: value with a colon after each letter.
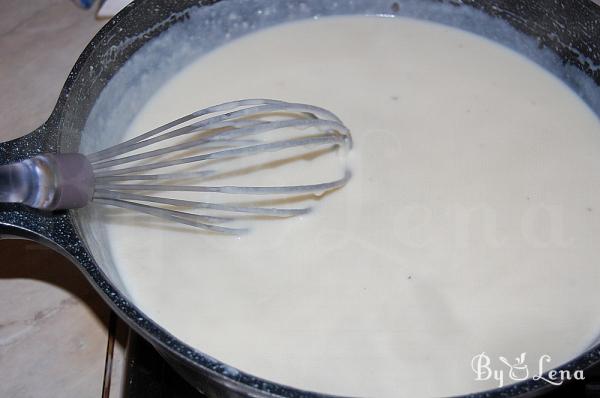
x: 118, y: 176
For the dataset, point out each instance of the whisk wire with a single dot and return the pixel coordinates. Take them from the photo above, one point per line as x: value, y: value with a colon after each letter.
x: 193, y: 220
x: 108, y: 195
x: 253, y: 129
x: 259, y: 106
x: 330, y: 138
x: 230, y: 189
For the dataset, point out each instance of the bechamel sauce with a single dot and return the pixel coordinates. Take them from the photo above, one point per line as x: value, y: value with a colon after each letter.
x: 470, y: 224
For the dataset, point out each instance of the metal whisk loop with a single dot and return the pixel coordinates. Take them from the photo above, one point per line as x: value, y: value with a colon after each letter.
x: 232, y: 130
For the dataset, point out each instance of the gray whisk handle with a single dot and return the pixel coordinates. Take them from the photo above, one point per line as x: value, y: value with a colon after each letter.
x: 48, y: 182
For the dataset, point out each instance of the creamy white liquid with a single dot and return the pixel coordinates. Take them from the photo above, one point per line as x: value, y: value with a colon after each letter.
x: 470, y: 224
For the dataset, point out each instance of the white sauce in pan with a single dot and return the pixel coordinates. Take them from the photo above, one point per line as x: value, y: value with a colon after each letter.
x: 470, y: 225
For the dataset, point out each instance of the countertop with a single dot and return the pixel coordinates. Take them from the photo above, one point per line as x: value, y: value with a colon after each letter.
x: 53, y: 333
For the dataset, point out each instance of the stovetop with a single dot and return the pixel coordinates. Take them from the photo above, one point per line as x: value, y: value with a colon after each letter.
x: 147, y: 375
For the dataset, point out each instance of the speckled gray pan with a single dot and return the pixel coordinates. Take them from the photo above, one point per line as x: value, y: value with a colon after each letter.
x: 152, y: 39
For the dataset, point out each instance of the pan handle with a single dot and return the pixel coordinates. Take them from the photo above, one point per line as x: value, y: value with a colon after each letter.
x: 20, y: 221
x: 40, y: 140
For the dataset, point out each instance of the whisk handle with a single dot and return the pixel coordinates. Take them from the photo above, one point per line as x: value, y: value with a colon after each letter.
x: 48, y: 182
x: 15, y: 185
x: 54, y: 229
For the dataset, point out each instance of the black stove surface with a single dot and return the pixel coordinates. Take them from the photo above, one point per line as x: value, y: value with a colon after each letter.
x: 149, y: 376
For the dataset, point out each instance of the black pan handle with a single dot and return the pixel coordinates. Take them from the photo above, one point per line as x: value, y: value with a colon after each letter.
x: 20, y: 221
x: 40, y: 140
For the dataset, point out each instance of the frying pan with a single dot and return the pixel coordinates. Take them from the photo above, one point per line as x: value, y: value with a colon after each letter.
x: 562, y: 35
